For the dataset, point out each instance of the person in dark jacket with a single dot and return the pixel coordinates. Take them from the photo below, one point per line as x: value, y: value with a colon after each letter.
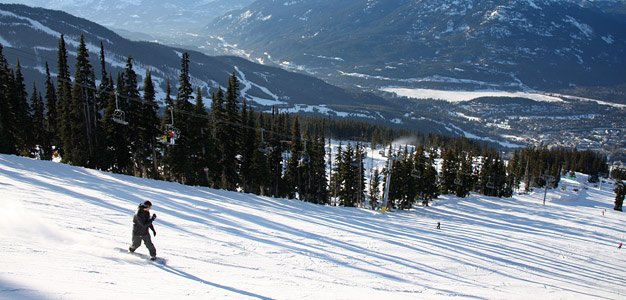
x: 141, y: 223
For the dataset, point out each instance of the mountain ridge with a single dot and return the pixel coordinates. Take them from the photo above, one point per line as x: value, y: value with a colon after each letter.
x: 518, y: 45
x: 32, y: 36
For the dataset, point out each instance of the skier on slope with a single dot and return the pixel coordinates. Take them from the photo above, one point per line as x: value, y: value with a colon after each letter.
x: 141, y: 223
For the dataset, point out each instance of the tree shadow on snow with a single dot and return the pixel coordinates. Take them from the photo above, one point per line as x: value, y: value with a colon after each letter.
x: 189, y: 276
x: 13, y: 291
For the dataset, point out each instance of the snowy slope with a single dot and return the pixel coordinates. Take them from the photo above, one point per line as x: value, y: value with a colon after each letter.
x: 60, y: 225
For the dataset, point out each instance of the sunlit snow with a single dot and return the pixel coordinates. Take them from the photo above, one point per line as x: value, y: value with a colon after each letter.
x: 60, y: 227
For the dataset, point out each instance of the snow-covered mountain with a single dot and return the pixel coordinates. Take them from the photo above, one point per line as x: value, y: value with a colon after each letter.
x: 61, y: 228
x: 156, y: 19
x: 32, y: 35
x: 448, y: 44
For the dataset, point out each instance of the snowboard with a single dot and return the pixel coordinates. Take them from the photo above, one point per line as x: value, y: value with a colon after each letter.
x: 158, y: 260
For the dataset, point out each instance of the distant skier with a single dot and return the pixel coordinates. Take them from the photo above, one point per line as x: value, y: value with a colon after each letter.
x: 438, y: 225
x: 620, y: 246
x: 141, y: 223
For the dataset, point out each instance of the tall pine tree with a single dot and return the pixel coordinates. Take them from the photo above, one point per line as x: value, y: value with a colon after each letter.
x: 82, y: 110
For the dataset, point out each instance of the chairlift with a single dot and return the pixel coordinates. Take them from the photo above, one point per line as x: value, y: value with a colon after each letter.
x: 118, y: 114
x: 458, y: 181
x: 304, y: 159
x: 304, y: 156
x: 416, y: 174
x: 264, y: 147
x: 355, y: 163
x: 490, y: 184
x: 171, y: 133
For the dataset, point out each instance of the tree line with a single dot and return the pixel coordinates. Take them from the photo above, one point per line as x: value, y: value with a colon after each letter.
x: 114, y: 126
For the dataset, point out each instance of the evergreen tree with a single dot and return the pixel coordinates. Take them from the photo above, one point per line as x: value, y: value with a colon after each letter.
x: 350, y: 177
x: 51, y: 112
x: 449, y: 171
x: 411, y: 182
x: 180, y: 164
x: 19, y: 106
x: 278, y: 160
x: 230, y: 163
x: 41, y: 138
x: 336, y: 178
x: 219, y: 134
x: 620, y: 193
x: 293, y: 176
x: 137, y: 131
x: 430, y: 177
x: 116, y: 156
x: 465, y: 177
x: 83, y: 111
x: 148, y: 156
x: 7, y: 140
x: 249, y: 145
x: 418, y: 172
x: 103, y: 94
x: 486, y: 177
x: 359, y: 169
x: 259, y: 176
x: 375, y: 196
x: 347, y: 177
x: 402, y: 191
x: 318, y: 183
x: 515, y: 171
x: 196, y: 142
x: 167, y: 127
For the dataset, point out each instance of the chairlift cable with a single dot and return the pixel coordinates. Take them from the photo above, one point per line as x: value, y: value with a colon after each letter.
x: 189, y: 113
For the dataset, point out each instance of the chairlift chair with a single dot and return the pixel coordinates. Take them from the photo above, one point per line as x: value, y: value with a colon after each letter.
x: 171, y: 133
x: 118, y: 114
x: 304, y: 159
x: 458, y: 181
x: 118, y: 117
x: 416, y: 174
x: 264, y: 147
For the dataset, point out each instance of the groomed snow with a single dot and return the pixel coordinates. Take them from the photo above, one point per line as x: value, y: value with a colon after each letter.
x: 60, y: 225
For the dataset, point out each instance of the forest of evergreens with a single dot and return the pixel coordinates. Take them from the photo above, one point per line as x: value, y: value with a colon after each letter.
x: 108, y: 123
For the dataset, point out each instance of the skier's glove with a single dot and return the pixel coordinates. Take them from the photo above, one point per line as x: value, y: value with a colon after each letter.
x: 153, y: 217
x: 153, y: 232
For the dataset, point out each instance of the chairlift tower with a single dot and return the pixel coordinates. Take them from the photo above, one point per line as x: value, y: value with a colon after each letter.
x: 549, y: 180
x: 393, y: 156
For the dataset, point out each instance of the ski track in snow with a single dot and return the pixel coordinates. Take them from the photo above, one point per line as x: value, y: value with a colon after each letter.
x: 60, y: 225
